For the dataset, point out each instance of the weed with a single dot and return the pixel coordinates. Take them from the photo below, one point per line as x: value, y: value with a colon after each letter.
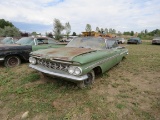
x: 120, y: 106
x: 123, y: 96
x: 30, y: 78
x: 115, y: 85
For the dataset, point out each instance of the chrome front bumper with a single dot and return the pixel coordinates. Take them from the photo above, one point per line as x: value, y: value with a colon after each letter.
x: 1, y: 59
x: 52, y: 72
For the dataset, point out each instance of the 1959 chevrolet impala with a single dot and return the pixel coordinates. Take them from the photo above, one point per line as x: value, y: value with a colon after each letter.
x: 80, y: 60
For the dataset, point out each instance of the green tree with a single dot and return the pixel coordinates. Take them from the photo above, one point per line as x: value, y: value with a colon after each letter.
x: 146, y: 31
x: 49, y: 34
x: 97, y: 29
x: 34, y: 33
x: 74, y: 34
x: 155, y: 32
x: 57, y: 29
x: 88, y: 28
x: 114, y: 31
x: 4, y: 23
x: 11, y: 32
x: 132, y: 33
x: 102, y: 31
x: 68, y: 29
x: 1, y: 32
x: 126, y: 33
x: 106, y: 31
x: 110, y: 30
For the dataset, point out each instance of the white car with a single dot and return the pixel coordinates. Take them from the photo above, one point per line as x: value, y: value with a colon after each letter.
x: 120, y: 40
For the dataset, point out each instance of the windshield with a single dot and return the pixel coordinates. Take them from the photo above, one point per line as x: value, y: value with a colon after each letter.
x: 7, y: 40
x: 88, y: 42
x: 26, y: 41
x: 112, y: 44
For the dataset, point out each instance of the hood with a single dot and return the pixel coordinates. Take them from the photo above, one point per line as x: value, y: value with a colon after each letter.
x: 63, y: 53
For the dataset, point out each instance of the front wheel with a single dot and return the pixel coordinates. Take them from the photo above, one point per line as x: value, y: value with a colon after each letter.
x: 12, y: 61
x: 87, y: 82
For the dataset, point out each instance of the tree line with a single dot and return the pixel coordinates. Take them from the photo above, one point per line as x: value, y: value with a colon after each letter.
x: 8, y: 29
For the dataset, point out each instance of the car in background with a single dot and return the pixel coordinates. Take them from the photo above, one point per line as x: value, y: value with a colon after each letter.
x: 8, y: 40
x: 120, y: 40
x: 12, y: 54
x: 65, y: 39
x: 156, y: 40
x: 40, y: 42
x: 80, y: 60
x: 134, y: 40
x: 70, y: 38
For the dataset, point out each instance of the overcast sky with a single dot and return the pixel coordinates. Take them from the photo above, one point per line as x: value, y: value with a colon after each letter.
x: 122, y: 15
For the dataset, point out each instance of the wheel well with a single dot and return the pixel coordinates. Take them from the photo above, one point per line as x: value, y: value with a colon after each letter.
x: 97, y: 70
x: 123, y: 58
x: 21, y: 58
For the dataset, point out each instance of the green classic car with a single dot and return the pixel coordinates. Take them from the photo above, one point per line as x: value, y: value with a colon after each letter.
x: 40, y: 42
x: 80, y: 60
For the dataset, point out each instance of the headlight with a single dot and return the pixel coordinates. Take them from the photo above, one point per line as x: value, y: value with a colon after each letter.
x: 74, y: 70
x: 32, y: 60
x: 71, y: 70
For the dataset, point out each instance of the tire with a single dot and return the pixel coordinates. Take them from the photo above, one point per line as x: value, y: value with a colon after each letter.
x: 87, y: 82
x: 12, y: 61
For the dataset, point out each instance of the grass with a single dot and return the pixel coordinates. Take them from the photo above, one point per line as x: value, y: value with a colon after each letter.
x: 130, y: 90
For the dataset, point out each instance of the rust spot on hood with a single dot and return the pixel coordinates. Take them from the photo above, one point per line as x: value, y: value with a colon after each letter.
x: 63, y: 53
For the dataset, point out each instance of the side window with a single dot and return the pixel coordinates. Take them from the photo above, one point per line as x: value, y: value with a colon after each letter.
x: 45, y: 41
x: 42, y: 41
x: 115, y: 45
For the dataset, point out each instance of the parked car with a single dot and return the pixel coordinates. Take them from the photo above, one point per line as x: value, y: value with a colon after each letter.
x: 8, y: 40
x: 134, y: 40
x: 156, y: 40
x: 80, y: 60
x: 65, y: 39
x: 12, y: 55
x: 40, y: 42
x: 120, y: 40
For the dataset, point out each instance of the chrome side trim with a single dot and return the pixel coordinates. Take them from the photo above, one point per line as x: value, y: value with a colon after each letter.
x: 102, y: 61
x: 53, y: 73
x: 125, y: 52
x: 1, y: 59
x: 105, y: 60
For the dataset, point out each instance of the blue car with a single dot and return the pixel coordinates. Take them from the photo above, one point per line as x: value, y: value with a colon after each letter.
x: 134, y: 40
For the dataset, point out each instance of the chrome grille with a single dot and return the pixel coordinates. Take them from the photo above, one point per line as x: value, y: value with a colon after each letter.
x: 53, y: 65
